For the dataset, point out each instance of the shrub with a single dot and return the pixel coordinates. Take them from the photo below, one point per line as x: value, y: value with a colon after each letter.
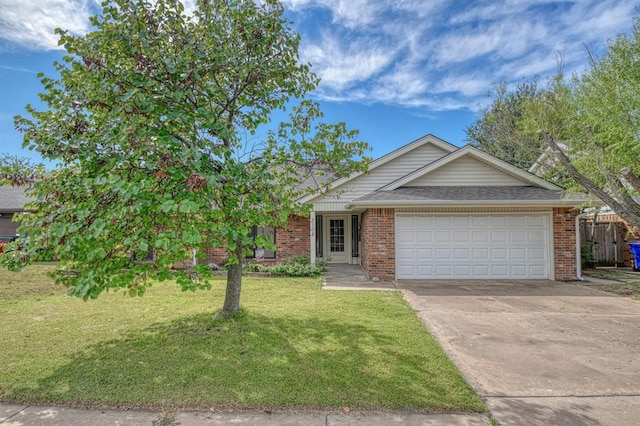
x: 298, y: 266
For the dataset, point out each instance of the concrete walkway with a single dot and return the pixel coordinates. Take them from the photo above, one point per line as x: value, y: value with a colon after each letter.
x: 340, y: 276
x: 20, y: 415
x: 538, y: 352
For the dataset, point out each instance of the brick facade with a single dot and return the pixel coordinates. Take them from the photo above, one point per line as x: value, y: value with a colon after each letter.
x: 292, y: 241
x: 564, y: 243
x: 378, y: 243
x: 295, y: 240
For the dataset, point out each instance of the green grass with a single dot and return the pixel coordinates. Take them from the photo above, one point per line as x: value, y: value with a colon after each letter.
x: 294, y: 346
x: 627, y: 284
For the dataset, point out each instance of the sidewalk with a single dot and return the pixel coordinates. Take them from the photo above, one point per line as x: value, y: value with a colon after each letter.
x: 19, y: 415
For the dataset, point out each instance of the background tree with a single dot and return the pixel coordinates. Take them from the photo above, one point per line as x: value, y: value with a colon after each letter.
x: 19, y: 171
x: 153, y: 123
x: 499, y: 129
x: 589, y: 126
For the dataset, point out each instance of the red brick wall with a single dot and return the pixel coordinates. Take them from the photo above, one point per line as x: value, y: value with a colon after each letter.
x: 564, y: 243
x: 378, y: 243
x: 290, y: 242
x: 294, y: 240
x: 217, y: 255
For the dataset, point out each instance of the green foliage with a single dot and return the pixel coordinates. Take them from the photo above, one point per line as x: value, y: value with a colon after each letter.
x: 19, y: 171
x: 298, y: 267
x: 586, y: 126
x: 152, y: 121
x: 588, y: 257
x: 499, y: 129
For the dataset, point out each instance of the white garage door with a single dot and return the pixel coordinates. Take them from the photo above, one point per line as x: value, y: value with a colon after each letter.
x: 472, y: 246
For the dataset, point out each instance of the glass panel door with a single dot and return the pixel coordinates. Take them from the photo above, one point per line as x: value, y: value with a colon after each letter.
x: 336, y: 236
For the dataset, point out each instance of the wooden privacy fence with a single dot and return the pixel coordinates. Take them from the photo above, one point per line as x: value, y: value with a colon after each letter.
x: 602, y: 243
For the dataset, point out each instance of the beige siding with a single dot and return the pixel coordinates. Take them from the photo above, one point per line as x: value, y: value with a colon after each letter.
x: 467, y: 171
x: 380, y: 176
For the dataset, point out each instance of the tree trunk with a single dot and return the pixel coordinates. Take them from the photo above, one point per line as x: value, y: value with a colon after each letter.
x: 234, y: 285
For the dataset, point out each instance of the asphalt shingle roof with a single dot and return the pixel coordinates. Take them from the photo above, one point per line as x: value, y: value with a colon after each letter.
x: 12, y: 198
x: 466, y: 193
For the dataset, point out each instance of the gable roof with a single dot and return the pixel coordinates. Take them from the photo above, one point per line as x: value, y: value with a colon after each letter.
x: 468, y: 150
x: 427, y: 139
x: 12, y: 198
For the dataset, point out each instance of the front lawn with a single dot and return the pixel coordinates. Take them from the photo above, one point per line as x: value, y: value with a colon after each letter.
x: 295, y: 346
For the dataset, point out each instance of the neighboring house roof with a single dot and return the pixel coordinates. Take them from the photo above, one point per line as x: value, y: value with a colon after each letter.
x: 12, y: 198
x: 466, y: 195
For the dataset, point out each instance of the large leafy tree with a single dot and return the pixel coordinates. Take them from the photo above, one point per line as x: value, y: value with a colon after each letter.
x: 587, y: 127
x: 154, y: 122
x: 499, y: 131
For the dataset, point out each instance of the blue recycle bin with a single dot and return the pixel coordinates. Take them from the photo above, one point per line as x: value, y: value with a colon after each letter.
x: 635, y: 251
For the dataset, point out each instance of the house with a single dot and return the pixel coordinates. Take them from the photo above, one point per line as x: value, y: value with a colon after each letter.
x: 12, y: 200
x: 431, y: 210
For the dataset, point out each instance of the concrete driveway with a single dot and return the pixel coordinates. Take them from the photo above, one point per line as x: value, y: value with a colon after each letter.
x: 539, y: 352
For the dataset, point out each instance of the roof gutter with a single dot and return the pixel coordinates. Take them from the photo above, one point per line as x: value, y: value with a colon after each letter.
x: 465, y: 203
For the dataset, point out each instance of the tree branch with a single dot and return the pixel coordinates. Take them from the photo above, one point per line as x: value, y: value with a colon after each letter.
x: 631, y: 178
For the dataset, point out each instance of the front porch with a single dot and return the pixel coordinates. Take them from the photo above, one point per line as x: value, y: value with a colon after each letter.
x: 342, y: 276
x: 335, y: 237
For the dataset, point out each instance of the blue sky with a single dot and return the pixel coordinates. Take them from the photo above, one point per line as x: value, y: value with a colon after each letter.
x: 394, y: 69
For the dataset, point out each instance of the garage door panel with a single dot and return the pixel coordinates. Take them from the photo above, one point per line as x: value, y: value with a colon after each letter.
x: 473, y: 246
x: 443, y: 236
x: 460, y: 221
x: 498, y: 253
x: 480, y: 271
x: 425, y: 270
x: 461, y: 254
x: 536, y: 237
x: 480, y: 253
x: 479, y: 236
x: 424, y: 254
x: 405, y: 253
x: 443, y: 270
x: 461, y: 236
x: 424, y: 236
x: 498, y: 237
x: 518, y: 237
x: 536, y: 271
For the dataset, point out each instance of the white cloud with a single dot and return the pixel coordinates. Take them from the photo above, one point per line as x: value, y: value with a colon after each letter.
x: 30, y: 24
x: 435, y: 54
x: 340, y: 65
x: 449, y: 54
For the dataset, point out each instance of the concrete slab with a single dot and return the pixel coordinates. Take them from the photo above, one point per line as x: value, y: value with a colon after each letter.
x: 262, y: 419
x: 609, y: 411
x: 19, y: 415
x: 542, y: 347
x: 408, y: 420
x: 340, y: 276
x: 63, y: 416
x: 9, y: 410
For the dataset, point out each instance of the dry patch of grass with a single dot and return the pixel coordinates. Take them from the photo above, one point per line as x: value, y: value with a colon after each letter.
x: 624, y: 283
x: 294, y: 346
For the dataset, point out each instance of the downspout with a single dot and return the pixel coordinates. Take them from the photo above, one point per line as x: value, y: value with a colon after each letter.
x: 579, y: 248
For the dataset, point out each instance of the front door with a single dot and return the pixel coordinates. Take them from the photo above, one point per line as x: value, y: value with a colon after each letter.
x: 337, y: 240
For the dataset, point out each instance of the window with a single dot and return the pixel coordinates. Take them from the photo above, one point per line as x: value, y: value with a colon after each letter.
x: 261, y: 252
